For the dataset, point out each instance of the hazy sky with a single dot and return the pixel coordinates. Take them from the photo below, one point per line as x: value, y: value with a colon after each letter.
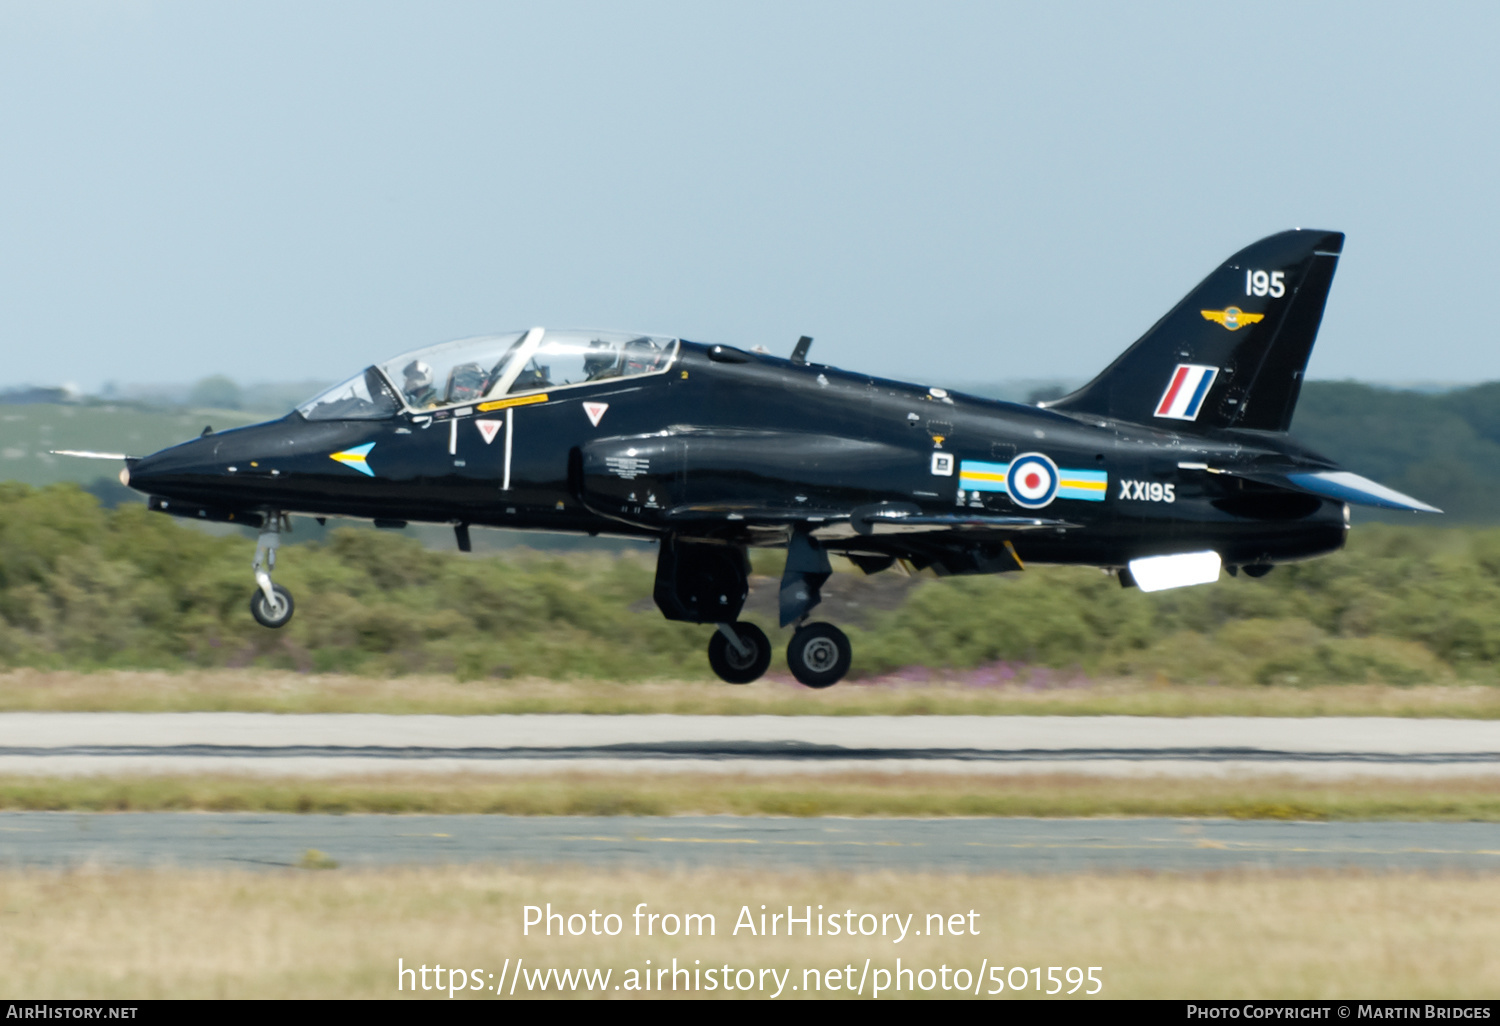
x: 941, y: 191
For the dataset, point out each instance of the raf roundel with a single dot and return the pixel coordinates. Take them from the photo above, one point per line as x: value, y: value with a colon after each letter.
x: 1032, y: 480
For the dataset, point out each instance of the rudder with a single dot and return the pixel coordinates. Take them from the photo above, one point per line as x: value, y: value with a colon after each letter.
x: 1232, y: 353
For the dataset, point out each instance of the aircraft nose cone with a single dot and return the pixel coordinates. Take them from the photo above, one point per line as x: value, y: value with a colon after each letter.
x: 182, y: 469
x: 148, y: 472
x: 141, y: 474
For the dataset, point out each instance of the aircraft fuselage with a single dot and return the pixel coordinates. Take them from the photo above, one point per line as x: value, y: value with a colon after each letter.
x: 681, y: 449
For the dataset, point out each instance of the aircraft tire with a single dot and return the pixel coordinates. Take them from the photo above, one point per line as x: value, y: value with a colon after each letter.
x: 731, y: 667
x: 818, y: 655
x: 265, y: 614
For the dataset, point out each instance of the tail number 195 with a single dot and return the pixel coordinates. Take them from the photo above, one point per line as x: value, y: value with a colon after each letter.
x: 1262, y: 283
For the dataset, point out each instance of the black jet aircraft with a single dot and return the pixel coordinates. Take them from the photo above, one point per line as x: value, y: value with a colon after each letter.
x: 1172, y: 464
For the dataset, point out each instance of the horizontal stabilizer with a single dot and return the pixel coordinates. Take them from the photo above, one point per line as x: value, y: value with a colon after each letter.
x: 1328, y: 483
x: 1349, y: 487
x: 1340, y: 485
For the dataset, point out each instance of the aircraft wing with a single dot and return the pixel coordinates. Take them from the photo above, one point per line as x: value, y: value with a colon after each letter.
x: 893, y: 519
x: 882, y: 519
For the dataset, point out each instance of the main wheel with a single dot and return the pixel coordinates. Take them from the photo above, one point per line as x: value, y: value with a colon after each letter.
x: 268, y: 615
x: 735, y: 667
x: 818, y: 655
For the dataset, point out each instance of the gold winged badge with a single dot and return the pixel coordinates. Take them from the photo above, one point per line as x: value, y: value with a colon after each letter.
x: 1232, y: 317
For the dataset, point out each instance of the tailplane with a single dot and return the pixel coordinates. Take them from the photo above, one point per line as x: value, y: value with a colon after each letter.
x: 1231, y: 354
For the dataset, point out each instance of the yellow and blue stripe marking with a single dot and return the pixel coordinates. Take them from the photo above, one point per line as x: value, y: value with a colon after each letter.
x: 355, y: 458
x: 1088, y: 485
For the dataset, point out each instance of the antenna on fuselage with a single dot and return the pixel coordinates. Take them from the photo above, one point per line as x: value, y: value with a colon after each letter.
x: 799, y: 355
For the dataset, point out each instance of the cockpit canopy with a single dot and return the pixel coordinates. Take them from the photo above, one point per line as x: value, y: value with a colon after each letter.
x: 473, y: 370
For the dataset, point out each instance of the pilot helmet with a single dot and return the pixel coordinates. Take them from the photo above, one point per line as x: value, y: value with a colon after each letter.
x: 466, y: 382
x: 640, y: 357
x: 418, y: 375
x: 601, y: 356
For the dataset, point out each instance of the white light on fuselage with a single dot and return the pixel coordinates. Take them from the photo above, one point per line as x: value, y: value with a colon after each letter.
x: 1158, y: 573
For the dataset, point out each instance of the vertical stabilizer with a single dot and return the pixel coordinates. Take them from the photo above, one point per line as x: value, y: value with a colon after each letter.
x: 1230, y: 355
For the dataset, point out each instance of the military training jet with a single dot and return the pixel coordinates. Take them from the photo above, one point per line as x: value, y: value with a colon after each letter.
x: 1170, y: 465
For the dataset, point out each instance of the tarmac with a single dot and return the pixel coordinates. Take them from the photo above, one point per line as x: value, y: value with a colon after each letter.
x: 261, y: 841
x: 70, y: 744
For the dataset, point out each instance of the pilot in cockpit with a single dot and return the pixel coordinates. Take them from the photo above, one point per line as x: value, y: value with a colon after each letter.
x: 418, y: 385
x: 602, y: 361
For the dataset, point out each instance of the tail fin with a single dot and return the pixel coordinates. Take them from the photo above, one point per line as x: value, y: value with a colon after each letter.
x: 1230, y: 355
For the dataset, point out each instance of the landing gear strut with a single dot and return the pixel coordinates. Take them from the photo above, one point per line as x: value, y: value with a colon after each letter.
x: 818, y: 654
x: 739, y: 652
x: 271, y: 604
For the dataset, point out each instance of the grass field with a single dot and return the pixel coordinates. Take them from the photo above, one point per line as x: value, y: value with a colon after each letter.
x: 257, y: 690
x: 306, y: 933
x: 834, y: 794
x: 29, y: 433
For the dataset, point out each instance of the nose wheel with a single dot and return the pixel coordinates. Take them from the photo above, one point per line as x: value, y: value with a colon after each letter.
x: 739, y: 652
x: 271, y: 604
x: 818, y: 655
x: 272, y: 612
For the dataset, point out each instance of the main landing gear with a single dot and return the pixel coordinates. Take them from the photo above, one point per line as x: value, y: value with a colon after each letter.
x: 271, y: 604
x: 818, y: 654
x: 703, y: 581
x: 739, y: 652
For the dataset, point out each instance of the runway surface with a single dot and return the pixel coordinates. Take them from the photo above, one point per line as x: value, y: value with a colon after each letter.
x: 328, y: 745
x: 233, y: 840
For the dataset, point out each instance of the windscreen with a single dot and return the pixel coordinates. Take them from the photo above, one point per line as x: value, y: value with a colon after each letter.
x: 366, y: 396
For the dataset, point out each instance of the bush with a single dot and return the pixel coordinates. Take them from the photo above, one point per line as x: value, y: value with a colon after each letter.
x: 84, y: 587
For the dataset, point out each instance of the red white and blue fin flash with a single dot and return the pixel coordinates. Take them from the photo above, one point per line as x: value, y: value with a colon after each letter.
x: 1186, y: 391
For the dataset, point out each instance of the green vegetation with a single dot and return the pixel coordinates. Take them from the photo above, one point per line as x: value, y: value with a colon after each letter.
x: 86, y: 588
x: 1441, y: 447
x: 946, y: 694
x: 910, y: 794
x: 90, y: 588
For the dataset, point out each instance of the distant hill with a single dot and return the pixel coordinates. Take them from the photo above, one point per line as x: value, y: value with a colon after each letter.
x: 1443, y: 448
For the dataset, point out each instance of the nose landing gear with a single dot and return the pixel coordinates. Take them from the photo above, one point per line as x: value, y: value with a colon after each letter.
x: 274, y: 611
x: 271, y: 604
